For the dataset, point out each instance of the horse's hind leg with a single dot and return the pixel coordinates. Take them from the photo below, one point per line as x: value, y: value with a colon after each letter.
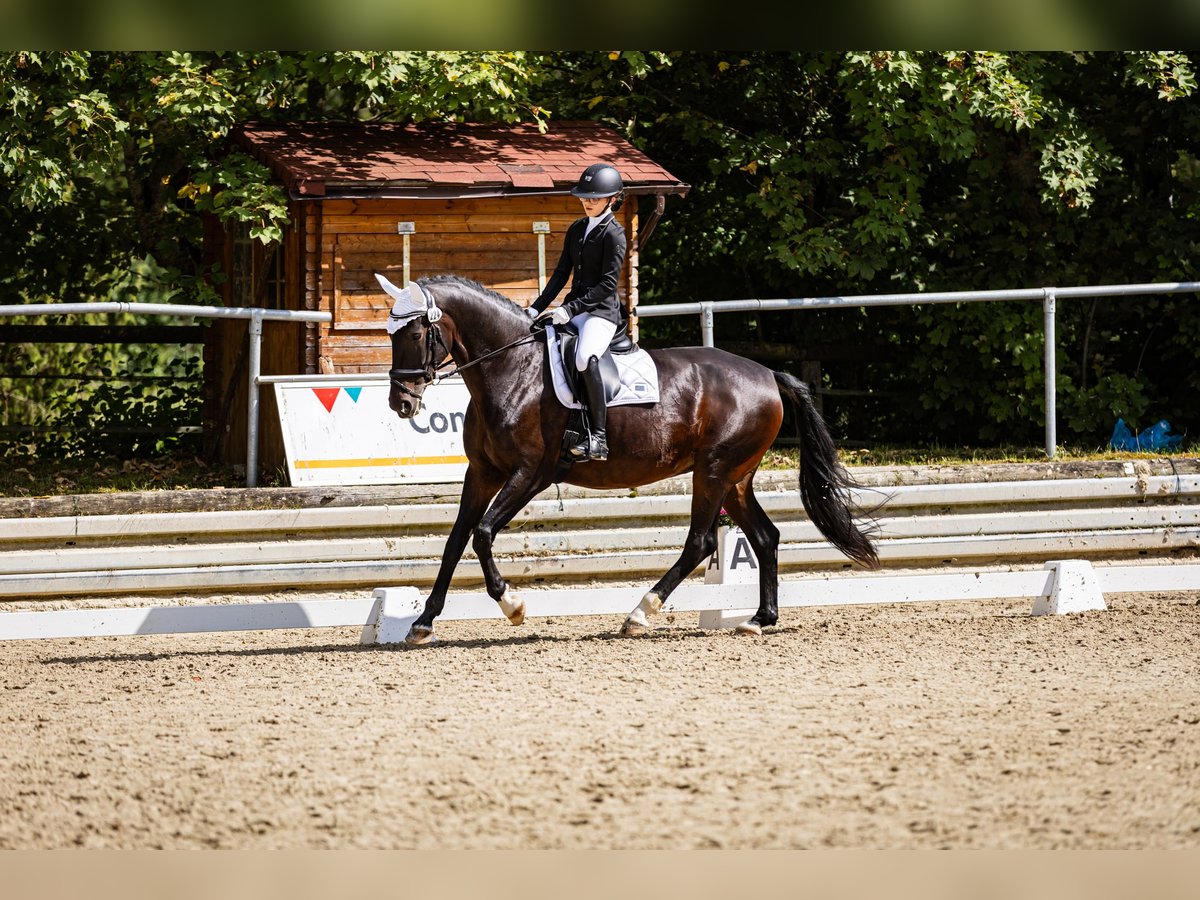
x: 743, y: 507
x: 700, y: 544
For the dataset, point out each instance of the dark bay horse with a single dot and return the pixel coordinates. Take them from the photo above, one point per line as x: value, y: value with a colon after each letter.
x: 718, y: 414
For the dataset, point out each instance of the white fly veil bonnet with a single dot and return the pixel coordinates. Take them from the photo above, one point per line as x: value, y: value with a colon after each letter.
x: 411, y: 301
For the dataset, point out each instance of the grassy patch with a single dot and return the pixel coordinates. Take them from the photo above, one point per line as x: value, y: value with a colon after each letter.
x: 23, y: 476
x: 787, y: 457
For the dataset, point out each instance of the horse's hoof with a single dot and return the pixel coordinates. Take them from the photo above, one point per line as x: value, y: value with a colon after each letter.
x: 513, y: 609
x: 419, y: 635
x: 634, y: 629
x: 636, y: 624
x: 749, y: 627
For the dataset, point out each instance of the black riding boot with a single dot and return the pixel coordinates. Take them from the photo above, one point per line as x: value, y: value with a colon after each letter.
x: 593, y: 381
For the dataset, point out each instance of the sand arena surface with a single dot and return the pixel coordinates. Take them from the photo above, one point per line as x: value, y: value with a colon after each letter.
x: 918, y: 725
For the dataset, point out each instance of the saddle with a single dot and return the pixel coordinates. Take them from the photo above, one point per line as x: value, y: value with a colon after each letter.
x: 568, y: 337
x: 629, y: 374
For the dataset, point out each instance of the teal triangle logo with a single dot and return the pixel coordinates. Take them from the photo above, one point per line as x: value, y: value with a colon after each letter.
x: 353, y: 392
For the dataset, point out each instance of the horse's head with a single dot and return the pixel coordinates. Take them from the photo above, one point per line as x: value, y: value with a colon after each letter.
x: 418, y: 347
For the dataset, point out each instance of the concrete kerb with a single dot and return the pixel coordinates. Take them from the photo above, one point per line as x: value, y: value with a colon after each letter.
x: 875, y: 477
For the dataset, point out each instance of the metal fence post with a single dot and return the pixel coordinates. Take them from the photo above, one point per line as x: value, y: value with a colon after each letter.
x: 255, y: 364
x: 1050, y: 375
x: 541, y: 229
x: 706, y: 323
x: 407, y: 229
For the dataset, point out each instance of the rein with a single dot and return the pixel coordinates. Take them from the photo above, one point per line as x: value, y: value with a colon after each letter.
x: 522, y: 340
x: 433, y: 337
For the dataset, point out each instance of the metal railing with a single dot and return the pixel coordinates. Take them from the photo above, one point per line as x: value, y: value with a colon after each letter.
x: 706, y: 310
x: 1048, y: 295
x: 255, y: 316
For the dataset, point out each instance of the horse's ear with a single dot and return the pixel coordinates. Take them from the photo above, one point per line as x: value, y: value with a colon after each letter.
x: 390, y: 289
x: 406, y: 305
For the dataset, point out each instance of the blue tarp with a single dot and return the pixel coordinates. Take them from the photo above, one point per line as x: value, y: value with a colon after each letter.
x: 1157, y: 437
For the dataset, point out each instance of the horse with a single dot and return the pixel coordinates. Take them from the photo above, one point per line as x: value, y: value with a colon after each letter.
x: 717, y: 415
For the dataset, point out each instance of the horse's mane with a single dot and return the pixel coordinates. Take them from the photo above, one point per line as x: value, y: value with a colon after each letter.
x: 462, y: 282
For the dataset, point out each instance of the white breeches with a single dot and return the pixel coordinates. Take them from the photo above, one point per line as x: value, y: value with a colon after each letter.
x: 595, y: 334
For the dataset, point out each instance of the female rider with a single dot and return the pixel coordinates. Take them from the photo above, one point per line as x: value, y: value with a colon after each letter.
x: 593, y: 255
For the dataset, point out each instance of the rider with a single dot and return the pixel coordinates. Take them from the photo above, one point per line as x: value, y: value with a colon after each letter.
x: 594, y: 253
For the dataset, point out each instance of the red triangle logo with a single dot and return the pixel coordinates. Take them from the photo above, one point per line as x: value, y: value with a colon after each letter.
x: 327, y: 396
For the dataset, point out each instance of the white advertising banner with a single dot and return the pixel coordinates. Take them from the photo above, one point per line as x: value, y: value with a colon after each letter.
x: 341, y: 431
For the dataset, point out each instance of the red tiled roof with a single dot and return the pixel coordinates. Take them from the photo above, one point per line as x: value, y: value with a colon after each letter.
x: 318, y: 158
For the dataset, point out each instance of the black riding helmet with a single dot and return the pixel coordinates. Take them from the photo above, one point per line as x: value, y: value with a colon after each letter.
x: 598, y: 180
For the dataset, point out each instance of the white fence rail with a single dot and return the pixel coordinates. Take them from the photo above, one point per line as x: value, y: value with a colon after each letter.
x: 1064, y: 586
x: 705, y: 310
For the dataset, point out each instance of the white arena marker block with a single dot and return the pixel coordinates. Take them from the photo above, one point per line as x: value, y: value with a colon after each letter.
x: 733, y: 563
x: 1075, y: 589
x: 392, y: 616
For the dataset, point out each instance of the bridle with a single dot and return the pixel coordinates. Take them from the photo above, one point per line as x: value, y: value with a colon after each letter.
x: 433, y: 339
x: 428, y: 371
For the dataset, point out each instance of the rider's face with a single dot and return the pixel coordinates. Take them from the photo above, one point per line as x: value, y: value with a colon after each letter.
x: 594, y: 206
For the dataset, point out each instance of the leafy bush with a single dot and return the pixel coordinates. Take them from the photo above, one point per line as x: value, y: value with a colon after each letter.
x: 115, y: 400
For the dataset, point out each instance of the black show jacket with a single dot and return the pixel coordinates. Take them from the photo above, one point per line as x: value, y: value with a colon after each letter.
x: 594, y: 265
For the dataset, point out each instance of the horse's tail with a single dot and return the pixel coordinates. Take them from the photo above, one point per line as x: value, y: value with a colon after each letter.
x: 824, y: 484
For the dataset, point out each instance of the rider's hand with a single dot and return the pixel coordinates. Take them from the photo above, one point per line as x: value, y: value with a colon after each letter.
x: 558, y: 315
x: 533, y: 313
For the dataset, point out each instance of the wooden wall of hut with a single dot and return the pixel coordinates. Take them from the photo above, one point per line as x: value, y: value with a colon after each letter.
x: 488, y: 240
x: 328, y: 260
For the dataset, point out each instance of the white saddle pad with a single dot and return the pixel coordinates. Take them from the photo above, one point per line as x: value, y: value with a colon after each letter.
x: 639, y: 376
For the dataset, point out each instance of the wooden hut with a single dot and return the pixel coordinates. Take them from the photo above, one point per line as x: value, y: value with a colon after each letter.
x: 490, y: 202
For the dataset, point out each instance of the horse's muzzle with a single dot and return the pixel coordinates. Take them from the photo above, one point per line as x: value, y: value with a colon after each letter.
x: 404, y: 407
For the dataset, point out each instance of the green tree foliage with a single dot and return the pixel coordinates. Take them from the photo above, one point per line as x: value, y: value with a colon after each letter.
x: 122, y: 150
x: 107, y: 404
x: 820, y: 174
x: 813, y: 174
x: 108, y: 160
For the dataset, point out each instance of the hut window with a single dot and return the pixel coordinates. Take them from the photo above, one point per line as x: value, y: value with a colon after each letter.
x: 257, y: 274
x: 242, y: 274
x: 275, y: 298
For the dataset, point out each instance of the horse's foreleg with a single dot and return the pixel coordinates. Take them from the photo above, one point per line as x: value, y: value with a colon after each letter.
x: 743, y: 507
x: 700, y: 544
x: 514, y: 495
x: 477, y: 491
